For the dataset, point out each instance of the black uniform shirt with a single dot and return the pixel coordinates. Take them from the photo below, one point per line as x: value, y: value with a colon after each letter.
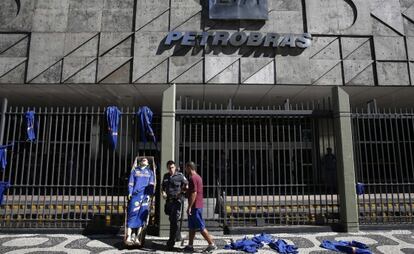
x: 172, y: 184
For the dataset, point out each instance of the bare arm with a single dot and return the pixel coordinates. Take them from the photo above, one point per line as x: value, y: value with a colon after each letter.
x: 191, y: 199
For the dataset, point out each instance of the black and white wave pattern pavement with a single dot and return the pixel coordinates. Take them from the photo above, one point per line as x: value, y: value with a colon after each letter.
x: 387, y: 242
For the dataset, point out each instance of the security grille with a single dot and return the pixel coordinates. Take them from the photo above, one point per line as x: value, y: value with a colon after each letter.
x: 260, y: 166
x: 384, y: 146
x: 69, y: 176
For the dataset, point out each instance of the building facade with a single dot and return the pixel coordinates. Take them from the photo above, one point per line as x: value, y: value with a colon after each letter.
x: 275, y: 65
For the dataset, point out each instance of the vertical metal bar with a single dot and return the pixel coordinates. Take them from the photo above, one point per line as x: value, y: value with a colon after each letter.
x: 388, y: 175
x: 244, y: 168
x: 410, y: 119
x: 27, y: 183
x: 65, y: 203
x: 72, y: 184
x: 365, y: 168
x: 375, y: 141
x: 399, y: 172
x: 84, y: 189
x: 97, y: 179
x: 91, y: 144
x: 61, y: 142
x: 23, y: 171
x: 3, y: 119
x: 77, y: 167
x: 261, y: 183
x: 7, y: 117
x: 393, y: 178
x: 12, y: 160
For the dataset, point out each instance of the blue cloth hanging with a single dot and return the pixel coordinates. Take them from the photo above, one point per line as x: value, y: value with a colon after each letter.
x: 346, y: 247
x: 3, y: 156
x: 145, y: 120
x: 112, y: 118
x: 282, y: 247
x: 30, y: 120
x: 3, y: 187
x: 360, y: 189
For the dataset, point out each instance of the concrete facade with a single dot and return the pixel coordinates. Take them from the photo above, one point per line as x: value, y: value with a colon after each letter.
x: 358, y: 42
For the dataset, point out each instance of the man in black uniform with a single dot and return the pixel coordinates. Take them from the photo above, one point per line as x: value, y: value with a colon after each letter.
x: 173, y: 185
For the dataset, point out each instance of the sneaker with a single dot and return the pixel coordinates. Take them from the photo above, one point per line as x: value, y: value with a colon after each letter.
x: 188, y: 248
x: 210, y: 248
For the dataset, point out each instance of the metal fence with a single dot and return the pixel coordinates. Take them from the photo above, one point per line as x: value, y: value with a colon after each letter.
x: 69, y: 176
x: 384, y: 146
x: 260, y: 166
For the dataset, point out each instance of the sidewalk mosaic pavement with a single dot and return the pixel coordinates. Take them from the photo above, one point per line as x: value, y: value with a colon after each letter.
x: 387, y: 242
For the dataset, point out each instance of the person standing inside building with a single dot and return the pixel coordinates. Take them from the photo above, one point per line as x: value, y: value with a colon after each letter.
x: 173, y: 185
x: 329, y: 166
x: 195, y: 209
x: 140, y: 187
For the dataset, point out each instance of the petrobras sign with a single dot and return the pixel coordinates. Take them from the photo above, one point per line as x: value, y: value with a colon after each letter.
x: 238, y: 9
x: 237, y: 39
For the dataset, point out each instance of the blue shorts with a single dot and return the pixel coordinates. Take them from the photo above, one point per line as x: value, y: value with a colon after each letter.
x: 195, y: 220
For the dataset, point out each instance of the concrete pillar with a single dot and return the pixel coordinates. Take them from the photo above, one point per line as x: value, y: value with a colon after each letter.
x: 345, y: 161
x: 167, y: 147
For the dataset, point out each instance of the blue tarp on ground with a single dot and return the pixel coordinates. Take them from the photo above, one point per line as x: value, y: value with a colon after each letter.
x: 30, y: 123
x: 258, y: 241
x: 145, y: 119
x: 283, y: 247
x: 112, y: 118
x: 346, y: 247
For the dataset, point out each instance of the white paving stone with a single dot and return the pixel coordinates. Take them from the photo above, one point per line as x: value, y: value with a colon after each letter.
x: 97, y: 244
x: 365, y: 240
x: 29, y: 241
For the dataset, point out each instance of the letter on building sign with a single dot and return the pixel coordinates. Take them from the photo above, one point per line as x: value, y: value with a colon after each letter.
x: 238, y: 39
x: 204, y: 38
x: 255, y: 39
x: 304, y: 41
x: 189, y: 39
x: 221, y: 38
x: 289, y: 41
x: 272, y: 40
x: 173, y: 36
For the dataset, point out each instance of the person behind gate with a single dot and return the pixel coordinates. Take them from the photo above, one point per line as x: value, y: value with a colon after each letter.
x: 140, y: 186
x: 195, y: 209
x: 173, y: 185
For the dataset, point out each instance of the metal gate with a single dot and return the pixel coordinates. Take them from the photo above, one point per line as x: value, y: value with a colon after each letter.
x: 384, y: 146
x: 70, y: 176
x: 260, y: 166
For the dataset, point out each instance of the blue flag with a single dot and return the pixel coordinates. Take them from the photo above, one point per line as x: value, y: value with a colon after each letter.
x: 30, y: 119
x: 112, y: 118
x: 3, y: 187
x: 3, y: 156
x: 145, y: 120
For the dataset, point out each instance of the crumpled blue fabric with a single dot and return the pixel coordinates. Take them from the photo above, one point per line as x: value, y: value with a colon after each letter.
x: 262, y: 238
x: 112, y: 118
x: 3, y: 156
x: 145, y: 120
x: 360, y: 188
x: 30, y: 123
x: 346, y: 247
x: 282, y: 247
x: 3, y: 187
x: 245, y: 244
